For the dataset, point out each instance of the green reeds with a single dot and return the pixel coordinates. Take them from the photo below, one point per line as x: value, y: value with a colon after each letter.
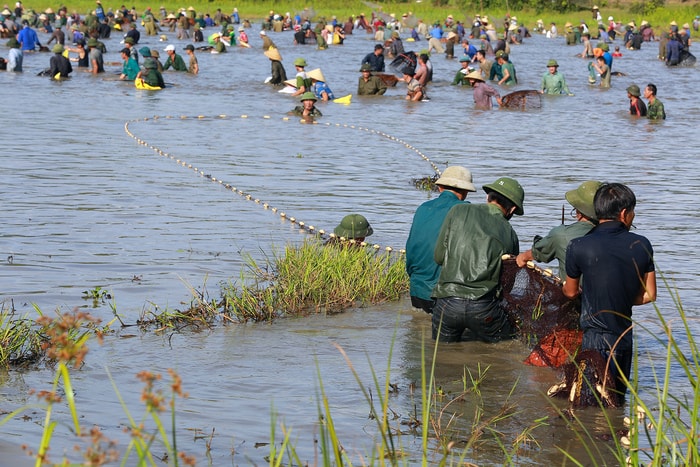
x: 21, y: 340
x: 665, y: 425
x: 66, y: 337
x: 315, y: 278
x: 302, y: 279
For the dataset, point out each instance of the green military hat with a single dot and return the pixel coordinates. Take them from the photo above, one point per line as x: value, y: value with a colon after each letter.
x: 366, y: 67
x: 308, y: 96
x: 300, y: 62
x: 582, y: 197
x: 634, y: 90
x: 511, y: 189
x: 353, y: 226
x: 92, y: 42
x: 129, y: 40
x: 58, y: 49
x: 553, y: 63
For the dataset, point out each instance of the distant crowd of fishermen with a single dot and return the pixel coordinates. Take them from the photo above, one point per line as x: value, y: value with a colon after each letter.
x: 478, y: 42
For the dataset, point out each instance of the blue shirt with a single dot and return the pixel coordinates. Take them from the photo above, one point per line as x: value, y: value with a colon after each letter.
x: 608, y: 59
x: 28, y: 38
x: 471, y: 51
x: 613, y: 262
x: 421, y: 267
x: 320, y: 87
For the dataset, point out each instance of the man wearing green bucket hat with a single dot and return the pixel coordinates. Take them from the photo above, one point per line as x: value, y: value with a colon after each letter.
x: 637, y: 106
x: 304, y: 83
x: 545, y: 249
x: 353, y: 227
x: 553, y: 82
x: 59, y: 65
x: 14, y: 56
x: 472, y: 240
x: 307, y: 109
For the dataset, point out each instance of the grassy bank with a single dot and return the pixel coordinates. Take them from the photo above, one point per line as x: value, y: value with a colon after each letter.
x: 624, y: 12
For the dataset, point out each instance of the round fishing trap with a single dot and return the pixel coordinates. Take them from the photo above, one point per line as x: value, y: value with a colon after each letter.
x: 527, y: 99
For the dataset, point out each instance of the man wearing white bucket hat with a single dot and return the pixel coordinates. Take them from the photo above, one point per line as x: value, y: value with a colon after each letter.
x: 454, y: 184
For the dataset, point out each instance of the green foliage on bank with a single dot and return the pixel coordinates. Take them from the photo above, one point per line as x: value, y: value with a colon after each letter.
x: 658, y: 12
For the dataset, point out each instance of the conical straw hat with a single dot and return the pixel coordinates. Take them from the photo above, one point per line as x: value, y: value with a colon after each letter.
x: 317, y: 75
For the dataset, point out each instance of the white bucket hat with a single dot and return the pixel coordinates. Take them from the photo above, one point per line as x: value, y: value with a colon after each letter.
x: 456, y: 177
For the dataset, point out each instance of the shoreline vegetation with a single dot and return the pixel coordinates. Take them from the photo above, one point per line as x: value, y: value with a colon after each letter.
x: 659, y: 13
x: 451, y: 425
x: 451, y: 422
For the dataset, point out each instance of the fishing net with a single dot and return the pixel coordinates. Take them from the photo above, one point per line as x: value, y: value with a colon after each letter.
x: 405, y: 63
x: 687, y: 59
x: 409, y: 21
x: 528, y: 99
x: 536, y: 305
x: 549, y: 323
x: 388, y: 79
x: 587, y: 382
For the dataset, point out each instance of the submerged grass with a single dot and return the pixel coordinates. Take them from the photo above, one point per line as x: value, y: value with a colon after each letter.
x: 20, y: 340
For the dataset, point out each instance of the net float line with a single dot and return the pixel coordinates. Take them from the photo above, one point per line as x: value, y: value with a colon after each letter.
x: 303, y: 226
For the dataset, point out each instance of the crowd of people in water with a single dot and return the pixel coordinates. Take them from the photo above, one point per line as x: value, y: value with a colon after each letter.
x: 484, y: 48
x: 454, y: 250
x: 454, y: 258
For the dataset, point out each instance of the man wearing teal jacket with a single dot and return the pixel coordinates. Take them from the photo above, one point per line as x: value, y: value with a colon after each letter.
x: 454, y: 184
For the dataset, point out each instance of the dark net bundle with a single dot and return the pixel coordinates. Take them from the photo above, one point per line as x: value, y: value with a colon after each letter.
x: 522, y: 100
x: 546, y: 320
x: 405, y: 63
x: 549, y: 323
x: 587, y: 382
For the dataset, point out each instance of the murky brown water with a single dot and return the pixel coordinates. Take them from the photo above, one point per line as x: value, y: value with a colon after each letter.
x: 84, y: 206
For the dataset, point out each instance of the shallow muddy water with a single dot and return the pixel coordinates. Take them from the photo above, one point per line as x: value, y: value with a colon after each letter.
x: 85, y: 207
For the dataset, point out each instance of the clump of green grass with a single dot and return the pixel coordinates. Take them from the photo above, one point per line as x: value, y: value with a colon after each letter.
x: 303, y: 279
x: 665, y: 422
x: 316, y: 278
x: 21, y: 340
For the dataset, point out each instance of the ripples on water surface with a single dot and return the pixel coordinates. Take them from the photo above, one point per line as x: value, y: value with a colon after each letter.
x: 84, y: 206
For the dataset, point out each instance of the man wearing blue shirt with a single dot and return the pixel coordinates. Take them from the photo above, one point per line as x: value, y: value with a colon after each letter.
x: 617, y: 268
x: 454, y: 185
x: 27, y: 38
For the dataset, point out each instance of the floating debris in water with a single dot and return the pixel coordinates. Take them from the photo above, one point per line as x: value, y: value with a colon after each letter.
x: 426, y: 183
